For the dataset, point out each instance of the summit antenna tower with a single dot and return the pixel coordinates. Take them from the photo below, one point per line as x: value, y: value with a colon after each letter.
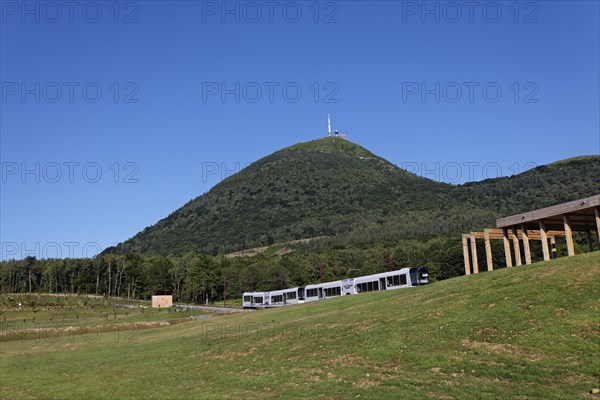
x: 329, y: 125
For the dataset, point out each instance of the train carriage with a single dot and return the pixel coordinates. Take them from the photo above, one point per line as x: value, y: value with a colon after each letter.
x: 400, y: 279
x: 287, y: 296
x: 256, y: 300
x: 322, y: 291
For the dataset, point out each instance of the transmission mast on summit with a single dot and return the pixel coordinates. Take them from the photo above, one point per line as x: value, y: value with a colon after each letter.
x: 329, y: 124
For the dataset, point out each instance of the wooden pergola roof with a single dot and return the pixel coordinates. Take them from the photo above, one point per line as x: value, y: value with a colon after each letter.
x: 582, y: 216
x: 544, y: 224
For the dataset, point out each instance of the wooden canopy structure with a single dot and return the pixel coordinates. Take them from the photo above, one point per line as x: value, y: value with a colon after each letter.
x: 545, y: 224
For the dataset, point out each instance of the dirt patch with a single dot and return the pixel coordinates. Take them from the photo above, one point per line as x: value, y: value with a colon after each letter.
x: 347, y: 360
x: 583, y: 276
x: 51, y: 333
x: 502, y: 349
x: 366, y: 383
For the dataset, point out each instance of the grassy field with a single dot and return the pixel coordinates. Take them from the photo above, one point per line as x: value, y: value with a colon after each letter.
x: 530, y: 332
x: 46, y: 314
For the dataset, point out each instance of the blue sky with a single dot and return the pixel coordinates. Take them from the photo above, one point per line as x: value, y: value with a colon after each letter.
x: 114, y: 114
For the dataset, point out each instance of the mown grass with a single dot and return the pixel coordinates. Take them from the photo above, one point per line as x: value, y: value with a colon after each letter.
x: 530, y: 332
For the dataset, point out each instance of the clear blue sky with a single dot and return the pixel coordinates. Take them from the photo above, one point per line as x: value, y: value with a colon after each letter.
x: 167, y: 124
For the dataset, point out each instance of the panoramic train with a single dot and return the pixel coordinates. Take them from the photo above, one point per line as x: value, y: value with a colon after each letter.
x: 400, y: 279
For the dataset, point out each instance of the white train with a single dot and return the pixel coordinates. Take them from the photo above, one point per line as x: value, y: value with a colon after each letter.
x: 400, y: 279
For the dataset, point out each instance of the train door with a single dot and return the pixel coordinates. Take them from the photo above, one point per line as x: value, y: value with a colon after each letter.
x: 321, y: 293
x: 382, y: 285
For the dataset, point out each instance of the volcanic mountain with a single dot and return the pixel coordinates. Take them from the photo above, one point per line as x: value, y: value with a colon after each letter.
x: 332, y: 186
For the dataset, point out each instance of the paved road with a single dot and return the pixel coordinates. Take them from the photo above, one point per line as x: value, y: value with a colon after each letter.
x: 213, y: 309
x: 194, y: 307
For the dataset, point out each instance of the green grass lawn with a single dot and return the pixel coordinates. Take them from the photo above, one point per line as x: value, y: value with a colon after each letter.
x: 529, y: 332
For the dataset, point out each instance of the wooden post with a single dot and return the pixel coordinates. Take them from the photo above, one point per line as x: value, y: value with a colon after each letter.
x: 590, y: 242
x: 465, y: 244
x: 474, y: 255
x: 568, y: 236
x: 224, y: 291
x: 526, y: 248
x: 488, y: 250
x: 552, y: 247
x: 544, y: 239
x: 516, y: 246
x: 389, y: 260
x: 506, y: 248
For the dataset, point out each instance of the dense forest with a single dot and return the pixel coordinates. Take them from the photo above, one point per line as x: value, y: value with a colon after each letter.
x: 202, y: 278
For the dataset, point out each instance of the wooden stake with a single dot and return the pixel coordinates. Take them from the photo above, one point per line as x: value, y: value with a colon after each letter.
x: 224, y: 291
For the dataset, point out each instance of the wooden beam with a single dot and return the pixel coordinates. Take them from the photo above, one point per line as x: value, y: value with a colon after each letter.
x: 552, y: 247
x: 544, y: 239
x: 465, y: 244
x: 568, y: 236
x: 474, y: 255
x: 498, y: 234
x: 531, y: 234
x: 507, y: 254
x: 515, y: 239
x: 488, y: 250
x: 526, y: 248
x: 557, y: 210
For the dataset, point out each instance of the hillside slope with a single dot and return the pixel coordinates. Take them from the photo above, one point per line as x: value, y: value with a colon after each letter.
x: 528, y: 332
x: 331, y: 186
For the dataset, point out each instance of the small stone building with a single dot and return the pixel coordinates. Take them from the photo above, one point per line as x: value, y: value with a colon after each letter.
x: 162, y: 301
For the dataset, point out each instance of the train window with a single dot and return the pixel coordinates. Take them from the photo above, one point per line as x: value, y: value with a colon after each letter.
x: 277, y: 299
x: 291, y: 295
x: 311, y: 293
x: 393, y: 280
x: 247, y: 299
x: 403, y: 279
x: 258, y: 300
x: 367, y: 286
